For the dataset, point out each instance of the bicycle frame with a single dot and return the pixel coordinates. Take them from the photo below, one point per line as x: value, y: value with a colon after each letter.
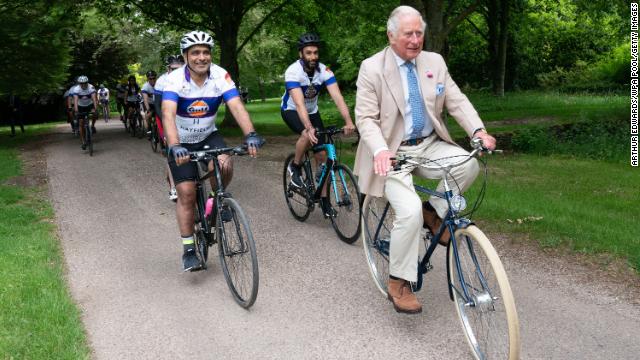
x: 201, y: 197
x: 449, y: 223
x: 328, y: 170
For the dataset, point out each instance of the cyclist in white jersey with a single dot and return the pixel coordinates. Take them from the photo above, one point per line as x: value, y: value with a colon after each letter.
x: 173, y: 62
x: 85, y: 100
x: 147, y: 98
x: 303, y: 81
x: 132, y: 96
x: 103, y: 97
x: 190, y: 101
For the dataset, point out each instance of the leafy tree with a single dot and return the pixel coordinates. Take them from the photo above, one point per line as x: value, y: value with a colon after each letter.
x: 442, y: 17
x: 34, y: 45
x: 222, y: 18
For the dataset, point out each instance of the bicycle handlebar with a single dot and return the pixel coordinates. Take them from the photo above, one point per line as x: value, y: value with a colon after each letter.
x: 201, y: 155
x: 476, y: 144
x: 331, y: 130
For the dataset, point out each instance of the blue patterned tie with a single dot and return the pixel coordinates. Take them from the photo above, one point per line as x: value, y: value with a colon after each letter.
x: 415, y: 101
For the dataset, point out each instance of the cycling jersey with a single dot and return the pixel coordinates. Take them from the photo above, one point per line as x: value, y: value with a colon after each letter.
x: 148, y: 89
x: 198, y: 106
x: 296, y: 77
x: 84, y: 95
x: 103, y: 94
x: 132, y: 92
x: 157, y: 94
x: 160, y: 83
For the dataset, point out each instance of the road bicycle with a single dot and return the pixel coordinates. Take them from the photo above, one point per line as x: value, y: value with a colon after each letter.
x: 105, y: 110
x: 343, y: 192
x: 477, y: 281
x: 86, y: 124
x: 220, y: 219
x: 154, y: 134
x: 134, y: 120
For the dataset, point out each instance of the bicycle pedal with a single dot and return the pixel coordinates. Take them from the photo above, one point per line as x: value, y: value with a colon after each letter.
x: 198, y: 268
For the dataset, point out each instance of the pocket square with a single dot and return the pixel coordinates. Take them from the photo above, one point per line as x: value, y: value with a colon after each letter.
x: 439, y: 89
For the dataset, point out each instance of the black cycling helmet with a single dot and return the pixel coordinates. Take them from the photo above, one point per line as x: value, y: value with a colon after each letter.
x: 151, y: 73
x: 175, y: 59
x: 308, y: 39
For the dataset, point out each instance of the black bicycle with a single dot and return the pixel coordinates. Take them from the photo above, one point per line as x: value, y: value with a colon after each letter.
x: 220, y: 219
x: 343, y: 192
x: 154, y: 134
x: 84, y: 116
x: 134, y: 120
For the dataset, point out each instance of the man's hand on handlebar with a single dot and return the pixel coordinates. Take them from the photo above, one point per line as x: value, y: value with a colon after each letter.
x: 253, y: 142
x: 382, y: 162
x: 348, y: 129
x: 310, y: 133
x: 488, y: 141
x: 179, y: 153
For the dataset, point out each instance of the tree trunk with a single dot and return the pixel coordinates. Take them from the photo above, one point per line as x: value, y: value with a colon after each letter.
x: 436, y: 25
x: 229, y: 59
x: 502, y: 48
x: 498, y: 22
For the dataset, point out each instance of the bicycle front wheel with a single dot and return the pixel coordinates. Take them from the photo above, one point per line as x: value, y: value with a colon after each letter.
x: 298, y: 199
x: 377, y: 222
x: 487, y: 311
x: 87, y: 137
x: 237, y: 251
x: 345, y: 200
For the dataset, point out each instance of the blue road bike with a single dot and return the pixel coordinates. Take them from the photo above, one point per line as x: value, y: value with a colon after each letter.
x: 342, y: 190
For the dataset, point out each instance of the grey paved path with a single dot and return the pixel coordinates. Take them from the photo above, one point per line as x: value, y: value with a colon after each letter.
x: 316, y: 298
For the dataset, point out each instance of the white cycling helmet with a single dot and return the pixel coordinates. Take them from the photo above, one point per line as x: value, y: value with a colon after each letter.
x: 195, y: 38
x: 83, y: 79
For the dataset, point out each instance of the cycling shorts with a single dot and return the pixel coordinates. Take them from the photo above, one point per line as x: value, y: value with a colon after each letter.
x: 294, y: 123
x: 84, y: 110
x: 189, y: 171
x: 132, y: 104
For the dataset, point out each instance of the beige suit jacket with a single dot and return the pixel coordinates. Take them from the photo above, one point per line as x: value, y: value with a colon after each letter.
x: 380, y: 108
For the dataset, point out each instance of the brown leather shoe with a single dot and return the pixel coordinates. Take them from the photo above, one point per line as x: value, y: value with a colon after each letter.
x: 403, y: 299
x: 433, y: 222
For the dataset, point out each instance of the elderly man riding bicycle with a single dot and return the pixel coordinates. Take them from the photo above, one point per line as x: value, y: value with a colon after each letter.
x: 401, y: 94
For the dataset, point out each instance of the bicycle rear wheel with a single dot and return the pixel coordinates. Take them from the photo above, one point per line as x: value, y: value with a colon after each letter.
x: 346, y: 223
x: 488, y: 315
x: 87, y: 136
x: 298, y: 199
x: 154, y: 137
x: 377, y: 222
x: 237, y: 251
x: 132, y: 125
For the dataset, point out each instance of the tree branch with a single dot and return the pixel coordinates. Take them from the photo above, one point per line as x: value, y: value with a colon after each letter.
x: 257, y: 27
x: 251, y: 6
x: 458, y: 19
x: 480, y: 32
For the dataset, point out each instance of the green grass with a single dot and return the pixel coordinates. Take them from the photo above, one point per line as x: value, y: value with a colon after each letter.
x: 587, y: 205
x: 38, y: 319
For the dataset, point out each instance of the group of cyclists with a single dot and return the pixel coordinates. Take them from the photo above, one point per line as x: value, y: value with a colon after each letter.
x: 184, y: 102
